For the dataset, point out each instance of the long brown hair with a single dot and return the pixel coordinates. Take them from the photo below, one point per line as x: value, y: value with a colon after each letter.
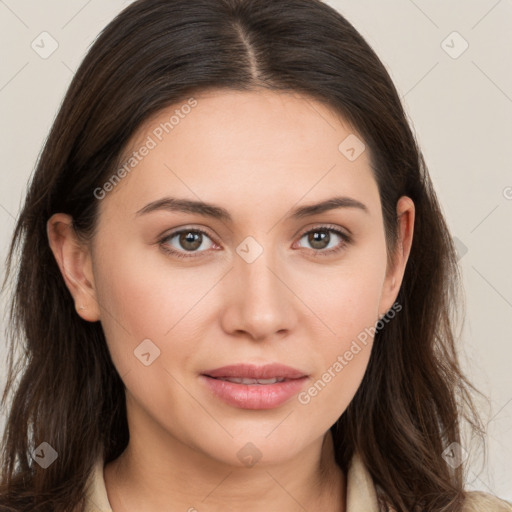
x: 65, y: 389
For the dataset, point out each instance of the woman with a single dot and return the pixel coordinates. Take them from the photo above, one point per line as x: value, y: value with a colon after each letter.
x: 235, y: 280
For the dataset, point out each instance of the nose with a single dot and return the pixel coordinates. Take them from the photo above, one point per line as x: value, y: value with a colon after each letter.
x: 259, y: 302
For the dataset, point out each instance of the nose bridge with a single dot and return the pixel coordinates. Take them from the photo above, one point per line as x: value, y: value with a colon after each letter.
x: 256, y: 269
x: 261, y: 301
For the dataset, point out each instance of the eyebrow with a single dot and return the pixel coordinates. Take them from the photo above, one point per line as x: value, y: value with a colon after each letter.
x: 217, y: 212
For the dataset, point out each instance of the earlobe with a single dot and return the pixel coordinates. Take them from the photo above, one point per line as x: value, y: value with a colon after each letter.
x: 74, y: 260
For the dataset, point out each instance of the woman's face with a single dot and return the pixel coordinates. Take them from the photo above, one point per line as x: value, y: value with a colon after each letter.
x: 258, y: 277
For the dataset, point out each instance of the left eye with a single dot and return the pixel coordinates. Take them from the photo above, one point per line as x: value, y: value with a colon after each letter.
x: 321, y: 238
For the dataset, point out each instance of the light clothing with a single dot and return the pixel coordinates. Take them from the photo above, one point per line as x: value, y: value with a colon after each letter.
x: 361, y: 494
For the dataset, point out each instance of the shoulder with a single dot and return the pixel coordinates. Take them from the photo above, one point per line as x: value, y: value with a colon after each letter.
x: 475, y: 501
x: 478, y: 501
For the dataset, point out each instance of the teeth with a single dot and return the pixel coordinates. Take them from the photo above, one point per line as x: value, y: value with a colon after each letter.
x: 237, y: 380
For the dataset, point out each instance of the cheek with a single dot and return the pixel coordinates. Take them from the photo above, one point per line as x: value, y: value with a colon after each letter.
x: 143, y: 297
x: 346, y: 298
x: 341, y: 359
x: 333, y: 388
x: 348, y: 305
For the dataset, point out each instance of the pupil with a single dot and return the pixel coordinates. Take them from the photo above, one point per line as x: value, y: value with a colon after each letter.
x: 317, y: 239
x: 190, y: 240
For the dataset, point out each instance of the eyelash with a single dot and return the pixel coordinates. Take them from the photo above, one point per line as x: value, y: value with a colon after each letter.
x: 346, y: 240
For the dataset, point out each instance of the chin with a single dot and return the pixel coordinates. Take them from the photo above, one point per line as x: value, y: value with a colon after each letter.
x: 250, y: 450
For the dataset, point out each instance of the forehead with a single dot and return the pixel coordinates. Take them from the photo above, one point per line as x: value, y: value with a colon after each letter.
x: 261, y: 148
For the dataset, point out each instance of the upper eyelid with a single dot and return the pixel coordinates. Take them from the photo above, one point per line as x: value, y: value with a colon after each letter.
x: 182, y: 230
x: 326, y: 227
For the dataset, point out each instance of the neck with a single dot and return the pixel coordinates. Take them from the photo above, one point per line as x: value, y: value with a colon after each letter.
x: 142, y: 478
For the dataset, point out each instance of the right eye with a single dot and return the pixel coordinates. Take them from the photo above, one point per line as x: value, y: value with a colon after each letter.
x: 185, y: 241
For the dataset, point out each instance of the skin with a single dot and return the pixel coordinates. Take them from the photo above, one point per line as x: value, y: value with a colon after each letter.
x: 258, y: 155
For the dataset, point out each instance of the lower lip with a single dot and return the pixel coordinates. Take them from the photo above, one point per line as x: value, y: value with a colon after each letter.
x: 254, y: 396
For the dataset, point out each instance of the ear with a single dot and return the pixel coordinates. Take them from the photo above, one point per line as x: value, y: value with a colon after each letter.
x: 74, y: 260
x: 394, y: 275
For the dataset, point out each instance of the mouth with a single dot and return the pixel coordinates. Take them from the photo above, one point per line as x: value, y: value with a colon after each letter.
x: 249, y: 386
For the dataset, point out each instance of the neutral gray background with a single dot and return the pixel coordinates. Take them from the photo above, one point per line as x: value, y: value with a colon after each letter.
x: 460, y: 106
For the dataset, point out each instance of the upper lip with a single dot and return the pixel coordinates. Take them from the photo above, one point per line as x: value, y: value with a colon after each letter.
x: 252, y: 371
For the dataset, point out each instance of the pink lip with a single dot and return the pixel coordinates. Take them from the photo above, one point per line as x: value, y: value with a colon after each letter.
x: 255, y: 396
